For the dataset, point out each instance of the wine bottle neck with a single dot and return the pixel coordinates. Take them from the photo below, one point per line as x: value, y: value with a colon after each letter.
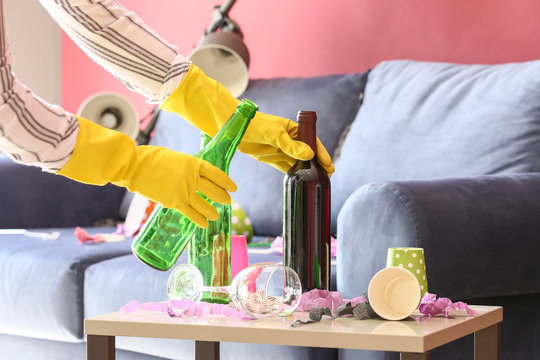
x: 307, y: 128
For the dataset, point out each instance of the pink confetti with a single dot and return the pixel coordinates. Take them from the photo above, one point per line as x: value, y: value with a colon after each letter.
x: 186, y: 308
x: 130, y: 307
x: 153, y: 306
x: 83, y: 236
x: 432, y: 306
x: 358, y: 300
x: 323, y: 298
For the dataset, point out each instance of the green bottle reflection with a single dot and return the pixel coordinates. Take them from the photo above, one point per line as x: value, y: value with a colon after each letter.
x: 167, y: 232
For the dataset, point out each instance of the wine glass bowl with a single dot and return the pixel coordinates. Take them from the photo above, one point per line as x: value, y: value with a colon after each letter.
x: 185, y: 283
x: 266, y: 289
x: 260, y: 290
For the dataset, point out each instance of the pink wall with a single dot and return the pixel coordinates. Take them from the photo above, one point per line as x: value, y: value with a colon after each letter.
x: 317, y: 37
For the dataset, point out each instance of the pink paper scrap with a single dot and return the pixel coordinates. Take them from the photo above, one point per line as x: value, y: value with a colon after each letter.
x: 317, y: 298
x: 433, y: 306
x: 83, y: 237
x: 186, y: 308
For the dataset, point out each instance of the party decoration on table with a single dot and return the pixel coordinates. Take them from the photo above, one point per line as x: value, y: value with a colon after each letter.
x: 362, y: 311
x: 84, y: 238
x: 260, y: 290
x: 433, y: 306
x: 186, y: 308
x: 318, y: 298
x: 411, y: 259
x: 331, y: 303
x: 315, y: 315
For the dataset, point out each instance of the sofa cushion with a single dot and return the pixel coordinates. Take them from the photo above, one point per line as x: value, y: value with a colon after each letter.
x: 41, y: 294
x: 336, y: 100
x: 422, y: 120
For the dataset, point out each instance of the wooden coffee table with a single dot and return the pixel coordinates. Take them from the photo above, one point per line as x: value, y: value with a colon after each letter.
x: 413, y: 337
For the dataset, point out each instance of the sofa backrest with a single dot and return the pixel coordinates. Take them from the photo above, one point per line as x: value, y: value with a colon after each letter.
x: 422, y: 120
x: 335, y: 98
x: 31, y: 198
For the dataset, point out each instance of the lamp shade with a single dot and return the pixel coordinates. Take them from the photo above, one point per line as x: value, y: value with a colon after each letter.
x: 112, y: 111
x: 224, y: 57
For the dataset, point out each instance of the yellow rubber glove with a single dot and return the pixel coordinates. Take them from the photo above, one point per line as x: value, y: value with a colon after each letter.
x: 160, y: 174
x: 207, y: 105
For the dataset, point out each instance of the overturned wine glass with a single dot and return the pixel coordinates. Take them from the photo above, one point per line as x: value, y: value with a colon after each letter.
x: 260, y: 290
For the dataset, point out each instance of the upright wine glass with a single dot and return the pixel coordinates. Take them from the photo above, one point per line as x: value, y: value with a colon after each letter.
x: 260, y: 290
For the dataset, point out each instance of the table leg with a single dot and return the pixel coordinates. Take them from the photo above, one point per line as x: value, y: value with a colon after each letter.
x: 206, y: 350
x: 415, y: 356
x: 487, y: 343
x: 100, y: 347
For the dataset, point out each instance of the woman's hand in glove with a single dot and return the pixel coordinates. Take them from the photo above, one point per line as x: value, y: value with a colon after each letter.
x: 160, y: 174
x: 207, y: 104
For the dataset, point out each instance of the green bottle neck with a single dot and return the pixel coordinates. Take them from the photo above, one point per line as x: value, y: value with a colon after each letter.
x: 205, y: 139
x: 220, y: 150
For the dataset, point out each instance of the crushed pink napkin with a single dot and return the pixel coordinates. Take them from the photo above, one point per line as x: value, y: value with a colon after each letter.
x: 432, y: 306
x: 323, y: 298
x: 84, y: 238
x: 185, y: 308
x: 277, y: 245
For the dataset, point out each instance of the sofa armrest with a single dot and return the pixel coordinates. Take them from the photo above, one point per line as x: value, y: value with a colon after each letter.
x: 31, y: 198
x: 481, y: 235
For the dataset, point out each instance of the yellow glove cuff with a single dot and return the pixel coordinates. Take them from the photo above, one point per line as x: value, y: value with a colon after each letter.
x: 201, y: 101
x: 100, y: 155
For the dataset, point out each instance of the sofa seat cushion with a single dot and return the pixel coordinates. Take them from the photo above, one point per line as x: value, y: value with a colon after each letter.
x: 41, y: 294
x: 335, y: 98
x: 111, y: 284
x: 422, y: 120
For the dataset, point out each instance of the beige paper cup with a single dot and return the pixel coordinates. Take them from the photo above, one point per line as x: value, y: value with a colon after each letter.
x: 411, y: 259
x: 394, y: 293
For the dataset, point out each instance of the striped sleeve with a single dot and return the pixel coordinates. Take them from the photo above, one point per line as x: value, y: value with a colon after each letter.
x: 123, y: 44
x: 32, y: 131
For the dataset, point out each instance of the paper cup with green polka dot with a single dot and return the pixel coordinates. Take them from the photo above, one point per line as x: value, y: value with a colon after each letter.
x: 412, y: 259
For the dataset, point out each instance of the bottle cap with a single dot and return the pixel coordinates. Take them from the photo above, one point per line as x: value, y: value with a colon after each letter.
x: 247, y: 108
x: 305, y: 116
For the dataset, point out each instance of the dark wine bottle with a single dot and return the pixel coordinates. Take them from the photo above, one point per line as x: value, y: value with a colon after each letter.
x: 306, y: 213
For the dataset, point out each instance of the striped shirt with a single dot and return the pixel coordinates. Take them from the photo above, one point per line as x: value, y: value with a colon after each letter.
x: 34, y: 132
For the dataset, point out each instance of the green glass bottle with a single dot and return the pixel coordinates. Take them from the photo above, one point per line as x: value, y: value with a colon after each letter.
x: 210, y: 250
x: 167, y: 232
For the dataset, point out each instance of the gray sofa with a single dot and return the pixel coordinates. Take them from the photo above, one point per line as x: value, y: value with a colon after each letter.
x: 433, y: 155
